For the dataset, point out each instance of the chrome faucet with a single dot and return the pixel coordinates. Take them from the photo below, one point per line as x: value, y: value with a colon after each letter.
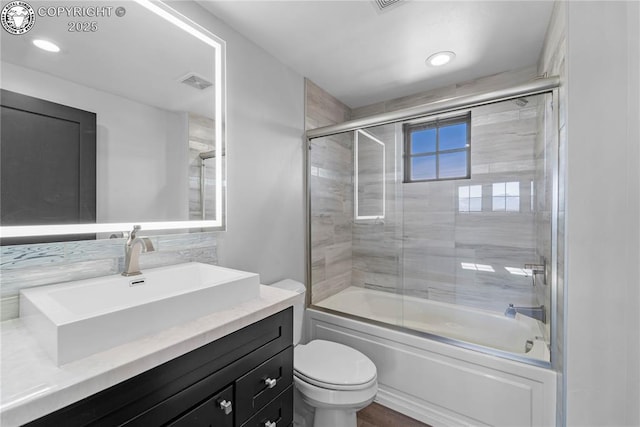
x: 132, y: 249
x: 538, y: 313
x: 538, y: 269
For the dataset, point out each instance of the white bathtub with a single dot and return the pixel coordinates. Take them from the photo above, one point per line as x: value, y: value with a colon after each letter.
x: 520, y: 336
x: 434, y: 381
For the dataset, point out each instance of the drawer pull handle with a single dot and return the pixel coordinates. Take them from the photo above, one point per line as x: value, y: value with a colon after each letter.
x: 270, y: 424
x: 271, y: 383
x: 226, y: 406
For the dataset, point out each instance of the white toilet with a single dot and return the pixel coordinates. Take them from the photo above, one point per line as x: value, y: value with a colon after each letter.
x: 334, y: 379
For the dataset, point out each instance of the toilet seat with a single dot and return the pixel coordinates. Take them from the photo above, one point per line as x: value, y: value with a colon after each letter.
x: 330, y: 386
x: 333, y: 366
x: 320, y: 397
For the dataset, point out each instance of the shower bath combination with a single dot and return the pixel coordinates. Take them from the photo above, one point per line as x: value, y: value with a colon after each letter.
x: 419, y: 237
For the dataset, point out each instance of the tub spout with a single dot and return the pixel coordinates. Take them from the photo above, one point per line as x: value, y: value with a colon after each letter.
x: 538, y: 313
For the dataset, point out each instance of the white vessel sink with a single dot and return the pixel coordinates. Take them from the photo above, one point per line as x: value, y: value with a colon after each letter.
x: 75, y: 319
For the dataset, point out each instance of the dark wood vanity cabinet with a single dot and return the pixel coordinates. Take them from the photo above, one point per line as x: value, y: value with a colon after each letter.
x: 242, y: 379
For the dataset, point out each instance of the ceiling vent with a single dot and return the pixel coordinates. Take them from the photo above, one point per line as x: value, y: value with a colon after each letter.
x: 384, y: 5
x: 196, y: 81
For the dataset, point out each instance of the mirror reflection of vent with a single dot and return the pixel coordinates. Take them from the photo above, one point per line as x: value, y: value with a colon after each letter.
x: 385, y: 4
x: 196, y: 81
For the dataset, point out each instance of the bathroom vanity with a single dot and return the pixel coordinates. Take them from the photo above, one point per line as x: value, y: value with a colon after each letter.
x: 230, y: 368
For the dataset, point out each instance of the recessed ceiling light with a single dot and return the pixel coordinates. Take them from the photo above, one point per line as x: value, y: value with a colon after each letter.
x: 46, y: 45
x: 440, y: 58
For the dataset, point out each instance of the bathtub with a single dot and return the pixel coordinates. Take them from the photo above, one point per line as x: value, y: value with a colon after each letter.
x: 521, y: 336
x: 457, y: 366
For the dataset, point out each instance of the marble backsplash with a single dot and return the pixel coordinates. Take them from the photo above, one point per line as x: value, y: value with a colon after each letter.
x: 24, y: 266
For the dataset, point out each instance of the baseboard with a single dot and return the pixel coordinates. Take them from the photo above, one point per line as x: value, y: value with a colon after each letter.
x: 420, y: 411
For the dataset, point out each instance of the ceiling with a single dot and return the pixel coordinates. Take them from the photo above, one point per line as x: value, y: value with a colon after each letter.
x: 143, y: 63
x: 362, y: 55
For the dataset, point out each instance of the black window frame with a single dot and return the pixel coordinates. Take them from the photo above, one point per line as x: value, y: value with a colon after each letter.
x: 409, y: 128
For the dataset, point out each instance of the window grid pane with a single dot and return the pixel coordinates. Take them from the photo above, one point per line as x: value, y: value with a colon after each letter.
x: 470, y: 198
x: 506, y: 196
x: 452, y: 165
x: 423, y: 141
x: 423, y: 167
x: 512, y: 204
x: 439, y: 150
x: 453, y: 137
x: 475, y: 204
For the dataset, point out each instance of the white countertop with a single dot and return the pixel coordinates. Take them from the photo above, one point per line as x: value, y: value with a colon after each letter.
x: 33, y: 386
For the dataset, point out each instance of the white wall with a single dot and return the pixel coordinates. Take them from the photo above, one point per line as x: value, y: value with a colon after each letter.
x: 602, y: 357
x: 265, y: 118
x: 141, y: 150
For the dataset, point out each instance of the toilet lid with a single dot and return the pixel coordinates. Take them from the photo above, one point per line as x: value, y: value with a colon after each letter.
x: 330, y: 363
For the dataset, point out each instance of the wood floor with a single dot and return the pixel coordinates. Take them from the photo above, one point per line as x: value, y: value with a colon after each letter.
x: 376, y: 415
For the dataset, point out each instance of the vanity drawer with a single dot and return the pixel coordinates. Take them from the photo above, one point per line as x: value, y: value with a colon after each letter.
x: 279, y: 412
x: 210, y: 412
x: 262, y: 384
x: 159, y: 395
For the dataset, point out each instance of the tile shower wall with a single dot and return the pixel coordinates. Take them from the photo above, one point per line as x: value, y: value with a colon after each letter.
x: 437, y: 238
x: 331, y: 182
x: 24, y: 266
x: 378, y: 243
x: 493, y: 82
x: 420, y: 247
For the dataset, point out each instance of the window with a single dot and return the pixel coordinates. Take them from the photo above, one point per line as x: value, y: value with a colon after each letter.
x: 438, y: 150
x: 506, y: 196
x: 470, y: 198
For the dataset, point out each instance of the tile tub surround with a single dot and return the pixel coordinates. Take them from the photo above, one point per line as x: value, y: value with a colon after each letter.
x: 331, y: 161
x: 24, y: 266
x: 420, y: 247
x: 440, y: 239
x: 437, y: 238
x: 33, y: 386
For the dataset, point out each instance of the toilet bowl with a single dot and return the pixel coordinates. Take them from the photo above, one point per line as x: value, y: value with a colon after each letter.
x: 333, y: 379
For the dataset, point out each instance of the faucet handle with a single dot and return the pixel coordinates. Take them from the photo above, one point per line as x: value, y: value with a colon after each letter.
x: 132, y: 234
x: 136, y: 228
x: 537, y: 269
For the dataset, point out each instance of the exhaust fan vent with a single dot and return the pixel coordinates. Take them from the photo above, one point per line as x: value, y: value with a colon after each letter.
x: 194, y: 80
x: 386, y: 4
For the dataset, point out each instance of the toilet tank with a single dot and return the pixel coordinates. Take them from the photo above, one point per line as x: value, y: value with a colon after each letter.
x: 298, y: 308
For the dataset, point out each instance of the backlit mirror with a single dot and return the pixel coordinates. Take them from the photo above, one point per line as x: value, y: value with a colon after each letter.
x: 154, y: 83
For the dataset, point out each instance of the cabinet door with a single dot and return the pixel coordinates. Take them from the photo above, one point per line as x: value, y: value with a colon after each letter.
x: 262, y: 384
x: 47, y: 165
x: 217, y: 411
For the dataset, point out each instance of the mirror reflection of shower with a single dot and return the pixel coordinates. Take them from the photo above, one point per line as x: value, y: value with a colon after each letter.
x: 202, y: 167
x: 204, y: 156
x: 203, y: 174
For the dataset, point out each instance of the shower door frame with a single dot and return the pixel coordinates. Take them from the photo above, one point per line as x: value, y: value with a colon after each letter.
x: 544, y: 85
